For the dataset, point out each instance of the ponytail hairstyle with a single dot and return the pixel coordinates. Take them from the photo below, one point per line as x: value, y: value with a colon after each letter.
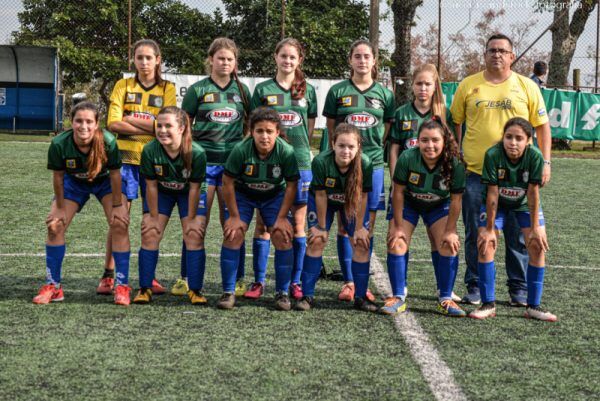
x: 438, y: 106
x: 520, y: 122
x: 354, y: 179
x: 150, y: 43
x: 182, y: 118
x: 450, y: 151
x: 298, y: 88
x: 354, y: 45
x: 97, y: 156
x: 228, y: 44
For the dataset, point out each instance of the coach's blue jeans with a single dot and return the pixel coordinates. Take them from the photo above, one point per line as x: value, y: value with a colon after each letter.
x: 516, y: 253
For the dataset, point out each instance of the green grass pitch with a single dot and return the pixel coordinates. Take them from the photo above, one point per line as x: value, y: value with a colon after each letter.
x: 87, y: 348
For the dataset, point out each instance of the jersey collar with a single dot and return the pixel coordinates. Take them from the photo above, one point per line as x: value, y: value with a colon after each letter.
x: 256, y: 150
x: 418, y: 112
x: 437, y: 164
x: 223, y: 89
x: 149, y: 88
x: 366, y: 90
x: 279, y: 86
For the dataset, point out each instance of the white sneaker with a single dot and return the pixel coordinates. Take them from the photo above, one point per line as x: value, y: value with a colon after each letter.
x: 486, y: 310
x: 535, y: 312
x: 455, y: 297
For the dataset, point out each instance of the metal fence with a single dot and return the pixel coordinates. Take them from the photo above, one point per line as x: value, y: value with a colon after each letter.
x: 449, y: 33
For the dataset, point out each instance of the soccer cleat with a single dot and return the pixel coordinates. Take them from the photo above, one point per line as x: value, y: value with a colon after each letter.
x: 296, y: 291
x: 227, y: 301
x: 473, y: 296
x: 282, y: 302
x: 347, y: 292
x: 240, y: 288
x: 518, y: 298
x: 143, y: 296
x: 455, y: 297
x: 197, y: 298
x: 305, y: 304
x: 449, y: 307
x: 487, y: 309
x: 157, y: 288
x: 123, y: 295
x: 256, y: 290
x: 105, y: 287
x: 393, y: 306
x: 49, y: 293
x: 370, y: 295
x: 365, y: 305
x: 180, y: 288
x: 535, y: 312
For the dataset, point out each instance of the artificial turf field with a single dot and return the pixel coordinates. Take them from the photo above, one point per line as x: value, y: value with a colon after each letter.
x: 88, y: 348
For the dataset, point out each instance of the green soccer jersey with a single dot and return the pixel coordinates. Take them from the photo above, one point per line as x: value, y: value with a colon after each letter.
x: 426, y: 189
x: 327, y: 176
x: 63, y: 155
x: 262, y: 179
x: 218, y: 115
x: 294, y: 114
x: 512, y: 179
x: 171, y: 175
x: 405, y: 129
x: 368, y: 110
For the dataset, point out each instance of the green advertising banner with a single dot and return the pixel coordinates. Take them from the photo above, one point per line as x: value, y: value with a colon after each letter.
x: 588, y: 117
x: 572, y: 115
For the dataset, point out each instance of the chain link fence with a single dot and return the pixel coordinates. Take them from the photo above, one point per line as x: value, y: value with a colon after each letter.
x: 93, y: 36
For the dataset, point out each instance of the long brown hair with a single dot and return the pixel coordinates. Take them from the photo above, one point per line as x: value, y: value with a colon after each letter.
x: 354, y: 45
x: 450, y: 151
x: 152, y: 44
x: 354, y: 178
x: 298, y: 88
x: 228, y: 44
x: 438, y: 107
x: 97, y: 156
x: 182, y: 118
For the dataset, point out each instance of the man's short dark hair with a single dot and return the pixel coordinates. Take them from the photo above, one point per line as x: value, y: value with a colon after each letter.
x: 540, y: 68
x: 499, y: 36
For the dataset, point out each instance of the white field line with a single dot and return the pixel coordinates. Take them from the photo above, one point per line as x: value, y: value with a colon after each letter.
x: 435, y: 371
x: 216, y: 255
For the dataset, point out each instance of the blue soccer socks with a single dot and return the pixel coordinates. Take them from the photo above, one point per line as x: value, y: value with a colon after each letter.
x: 447, y: 266
x: 284, y: 261
x: 54, y: 258
x: 487, y: 281
x: 147, y: 261
x: 241, y: 272
x: 260, y: 258
x: 230, y: 258
x: 360, y: 272
x: 196, y: 262
x: 435, y: 259
x: 299, y: 244
x: 535, y: 285
x: 122, y: 267
x: 396, y: 265
x: 344, y: 251
x: 310, y: 274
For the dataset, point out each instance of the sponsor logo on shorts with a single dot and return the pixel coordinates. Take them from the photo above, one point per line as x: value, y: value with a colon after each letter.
x: 514, y: 193
x: 71, y: 163
x: 362, y: 120
x: 411, y: 143
x: 177, y: 186
x: 330, y: 182
x: 223, y: 116
x: 305, y: 186
x: 483, y: 216
x: 290, y: 119
x: 158, y: 169
x: 261, y: 186
x: 337, y: 197
x: 312, y: 217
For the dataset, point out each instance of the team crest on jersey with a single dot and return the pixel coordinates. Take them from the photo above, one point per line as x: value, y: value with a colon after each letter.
x: 373, y: 103
x: 249, y: 169
x: 525, y: 176
x: 362, y: 120
x: 290, y: 119
x: 71, y: 163
x: 185, y: 173
x: 330, y: 182
x: 414, y: 178
x: 501, y: 174
x: 272, y: 100
x: 406, y: 125
x: 158, y: 169
x: 276, y: 171
x: 155, y: 101
x: 237, y: 98
x: 299, y: 102
x: 209, y: 98
x: 224, y: 116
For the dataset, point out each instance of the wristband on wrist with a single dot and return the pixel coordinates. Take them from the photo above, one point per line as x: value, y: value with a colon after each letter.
x: 547, y: 162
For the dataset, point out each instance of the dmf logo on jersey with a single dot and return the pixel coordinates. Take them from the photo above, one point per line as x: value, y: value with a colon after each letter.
x: 290, y: 119
x: 362, y: 120
x: 330, y: 182
x: 223, y: 116
x: 411, y: 143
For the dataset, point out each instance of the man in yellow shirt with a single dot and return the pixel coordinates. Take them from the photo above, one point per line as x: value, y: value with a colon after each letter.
x: 485, y: 101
